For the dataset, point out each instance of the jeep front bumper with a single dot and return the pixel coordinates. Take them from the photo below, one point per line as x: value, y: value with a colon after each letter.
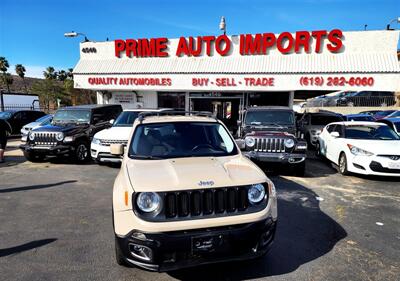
x: 179, y: 249
x: 47, y: 150
x: 276, y: 157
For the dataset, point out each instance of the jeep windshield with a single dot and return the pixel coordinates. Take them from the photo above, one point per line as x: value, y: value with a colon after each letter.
x: 181, y: 139
x: 270, y: 117
x: 126, y: 119
x: 72, y: 116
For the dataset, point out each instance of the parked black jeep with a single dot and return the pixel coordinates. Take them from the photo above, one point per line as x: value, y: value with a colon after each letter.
x: 70, y: 132
x: 269, y: 135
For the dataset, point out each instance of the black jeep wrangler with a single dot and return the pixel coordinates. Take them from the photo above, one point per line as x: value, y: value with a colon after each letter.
x: 70, y: 132
x: 268, y: 134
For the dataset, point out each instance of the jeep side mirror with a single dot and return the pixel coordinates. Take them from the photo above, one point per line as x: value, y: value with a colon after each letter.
x: 240, y: 143
x: 117, y: 149
x: 335, y: 134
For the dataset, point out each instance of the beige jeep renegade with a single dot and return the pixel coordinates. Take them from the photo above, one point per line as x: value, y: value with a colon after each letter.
x: 185, y: 195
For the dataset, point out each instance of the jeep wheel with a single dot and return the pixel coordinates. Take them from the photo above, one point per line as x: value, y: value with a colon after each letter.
x: 119, y: 258
x: 32, y: 157
x: 82, y: 152
x: 300, y: 169
x: 343, y: 164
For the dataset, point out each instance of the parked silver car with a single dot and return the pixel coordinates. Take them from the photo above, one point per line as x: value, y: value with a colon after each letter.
x: 42, y: 121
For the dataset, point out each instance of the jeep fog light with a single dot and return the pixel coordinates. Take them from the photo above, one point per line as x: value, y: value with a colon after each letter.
x: 59, y: 136
x: 289, y: 143
x: 141, y: 252
x: 31, y: 136
x: 256, y: 193
x: 250, y: 142
x: 148, y: 201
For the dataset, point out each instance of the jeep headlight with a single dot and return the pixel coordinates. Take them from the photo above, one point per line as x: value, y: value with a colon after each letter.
x: 148, y: 201
x: 250, y: 141
x: 289, y: 143
x: 96, y: 141
x: 358, y: 151
x: 69, y: 139
x: 31, y: 136
x: 256, y: 193
x: 59, y: 136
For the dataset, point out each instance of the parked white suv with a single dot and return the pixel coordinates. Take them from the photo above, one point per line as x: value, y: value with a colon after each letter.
x: 118, y: 134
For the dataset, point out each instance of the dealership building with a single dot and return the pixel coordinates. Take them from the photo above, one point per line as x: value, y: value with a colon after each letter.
x: 225, y: 74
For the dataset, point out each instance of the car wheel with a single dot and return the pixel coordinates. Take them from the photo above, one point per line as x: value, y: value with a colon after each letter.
x: 343, y: 164
x: 119, y: 258
x: 82, y: 153
x: 32, y: 157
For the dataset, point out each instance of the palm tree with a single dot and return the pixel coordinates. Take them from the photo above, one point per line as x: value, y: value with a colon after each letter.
x: 20, y: 70
x: 62, y: 75
x: 3, y: 68
x: 70, y: 73
x: 50, y: 73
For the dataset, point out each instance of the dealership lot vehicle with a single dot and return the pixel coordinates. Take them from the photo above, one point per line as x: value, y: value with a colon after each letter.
x: 118, y: 134
x: 383, y: 114
x: 358, y: 117
x: 328, y: 99
x: 42, y: 121
x: 70, y: 132
x: 18, y: 118
x: 208, y: 202
x: 311, y: 124
x: 269, y: 136
x: 394, y: 114
x: 393, y: 123
x: 368, y: 148
x: 367, y: 98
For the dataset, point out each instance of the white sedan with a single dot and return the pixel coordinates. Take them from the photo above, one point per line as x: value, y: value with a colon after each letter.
x: 367, y: 148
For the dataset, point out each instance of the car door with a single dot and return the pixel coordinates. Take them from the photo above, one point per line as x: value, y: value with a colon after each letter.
x: 17, y: 121
x: 336, y: 143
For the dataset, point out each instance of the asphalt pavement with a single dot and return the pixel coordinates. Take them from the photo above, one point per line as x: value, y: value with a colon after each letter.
x: 56, y: 224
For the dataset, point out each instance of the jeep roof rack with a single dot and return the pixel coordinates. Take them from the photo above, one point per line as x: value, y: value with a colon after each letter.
x: 143, y: 115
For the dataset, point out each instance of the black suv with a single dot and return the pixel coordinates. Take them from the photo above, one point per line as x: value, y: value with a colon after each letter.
x: 269, y: 135
x: 367, y: 98
x: 17, y: 119
x: 70, y: 132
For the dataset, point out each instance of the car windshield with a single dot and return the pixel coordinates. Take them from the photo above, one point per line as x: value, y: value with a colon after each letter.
x: 360, y: 118
x: 181, y: 139
x: 324, y: 119
x: 384, y: 113
x: 43, y: 118
x: 5, y: 115
x: 126, y: 119
x: 395, y: 114
x: 270, y: 117
x: 370, y: 132
x: 65, y: 116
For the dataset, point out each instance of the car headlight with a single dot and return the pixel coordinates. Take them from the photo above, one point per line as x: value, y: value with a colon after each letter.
x: 59, y: 136
x: 96, y: 141
x: 148, y: 201
x: 250, y: 141
x: 31, y: 136
x: 289, y: 143
x: 358, y: 151
x: 256, y: 193
x: 69, y: 139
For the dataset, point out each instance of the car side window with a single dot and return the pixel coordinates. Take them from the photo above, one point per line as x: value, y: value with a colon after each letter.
x: 330, y: 128
x: 339, y: 129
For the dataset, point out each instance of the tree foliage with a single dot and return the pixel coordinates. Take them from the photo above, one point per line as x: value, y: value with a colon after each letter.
x: 6, y: 77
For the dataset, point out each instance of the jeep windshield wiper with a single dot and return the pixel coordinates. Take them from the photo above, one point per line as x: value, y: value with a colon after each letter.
x: 134, y: 156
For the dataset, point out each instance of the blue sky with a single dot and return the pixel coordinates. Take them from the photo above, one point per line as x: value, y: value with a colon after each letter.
x: 31, y: 31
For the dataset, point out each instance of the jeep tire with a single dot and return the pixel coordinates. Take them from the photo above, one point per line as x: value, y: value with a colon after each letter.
x: 82, y: 152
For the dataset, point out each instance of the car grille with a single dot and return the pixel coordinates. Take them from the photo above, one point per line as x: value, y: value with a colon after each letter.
x: 196, y: 203
x: 269, y: 144
x: 391, y: 157
x: 377, y: 167
x: 109, y: 142
x: 45, y: 138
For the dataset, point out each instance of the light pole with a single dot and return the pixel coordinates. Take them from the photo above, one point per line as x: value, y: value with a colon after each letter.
x: 76, y: 34
x: 393, y: 21
x: 222, y: 25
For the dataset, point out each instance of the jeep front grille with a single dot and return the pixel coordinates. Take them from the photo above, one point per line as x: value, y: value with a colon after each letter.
x: 45, y: 138
x: 269, y: 144
x: 109, y: 142
x: 205, y: 202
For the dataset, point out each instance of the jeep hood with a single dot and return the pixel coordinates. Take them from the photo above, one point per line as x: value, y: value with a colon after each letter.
x: 269, y: 128
x: 187, y: 173
x: 114, y: 133
x: 65, y: 128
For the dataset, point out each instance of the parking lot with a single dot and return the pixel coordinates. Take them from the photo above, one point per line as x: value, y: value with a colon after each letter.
x: 56, y: 225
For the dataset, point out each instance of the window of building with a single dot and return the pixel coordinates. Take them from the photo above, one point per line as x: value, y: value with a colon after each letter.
x: 171, y: 100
